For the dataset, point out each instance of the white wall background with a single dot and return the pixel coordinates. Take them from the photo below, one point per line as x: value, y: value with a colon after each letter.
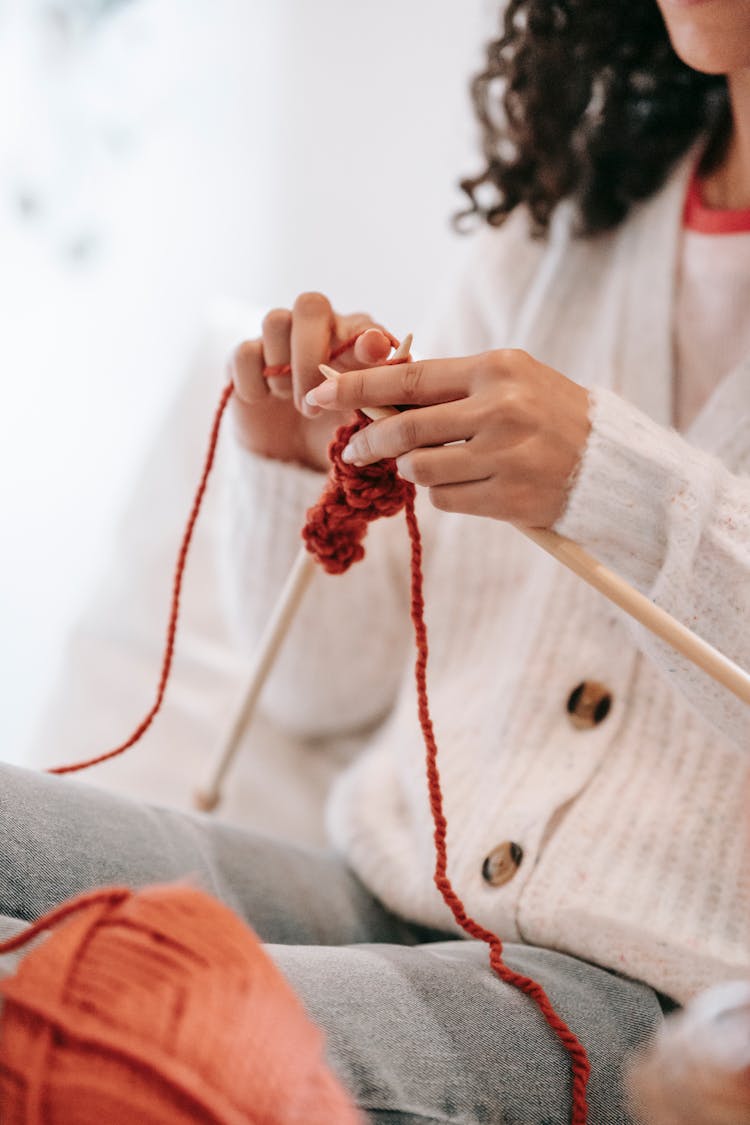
x: 178, y: 151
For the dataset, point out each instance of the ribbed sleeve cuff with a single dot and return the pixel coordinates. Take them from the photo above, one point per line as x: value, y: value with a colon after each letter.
x: 641, y: 492
x: 277, y: 491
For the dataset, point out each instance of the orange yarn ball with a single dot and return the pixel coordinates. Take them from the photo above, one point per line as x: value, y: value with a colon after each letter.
x: 159, y: 1007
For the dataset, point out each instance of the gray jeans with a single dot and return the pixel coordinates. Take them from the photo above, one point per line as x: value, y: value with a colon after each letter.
x: 418, y: 1027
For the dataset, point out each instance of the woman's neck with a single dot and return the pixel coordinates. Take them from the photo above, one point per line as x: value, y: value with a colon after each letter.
x: 727, y: 187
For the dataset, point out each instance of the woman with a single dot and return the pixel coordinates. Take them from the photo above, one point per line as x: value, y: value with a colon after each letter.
x: 593, y: 780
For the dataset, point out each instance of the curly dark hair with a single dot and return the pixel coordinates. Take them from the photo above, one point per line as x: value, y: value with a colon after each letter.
x: 585, y: 100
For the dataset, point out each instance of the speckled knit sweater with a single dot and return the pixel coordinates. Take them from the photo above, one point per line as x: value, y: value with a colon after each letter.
x: 628, y: 815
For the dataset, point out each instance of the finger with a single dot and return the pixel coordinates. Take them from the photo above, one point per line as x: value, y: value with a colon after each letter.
x: 277, y: 328
x: 354, y: 324
x: 450, y: 464
x: 474, y: 498
x: 246, y: 371
x: 425, y: 426
x: 372, y: 348
x: 312, y: 328
x: 419, y: 383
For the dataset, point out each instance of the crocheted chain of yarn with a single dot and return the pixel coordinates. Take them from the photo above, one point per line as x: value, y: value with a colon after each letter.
x: 354, y: 497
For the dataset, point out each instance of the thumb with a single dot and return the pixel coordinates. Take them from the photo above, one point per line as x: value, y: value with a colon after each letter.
x: 372, y: 345
x: 371, y: 348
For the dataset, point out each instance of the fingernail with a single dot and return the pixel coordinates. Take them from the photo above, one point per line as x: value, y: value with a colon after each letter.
x: 323, y: 395
x: 349, y: 453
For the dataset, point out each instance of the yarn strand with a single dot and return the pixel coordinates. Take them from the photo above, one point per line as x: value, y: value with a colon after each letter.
x: 580, y: 1066
x: 174, y: 609
x: 109, y: 896
x: 179, y: 574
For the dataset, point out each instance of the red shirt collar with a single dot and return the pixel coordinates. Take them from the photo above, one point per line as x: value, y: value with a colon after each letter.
x: 699, y: 217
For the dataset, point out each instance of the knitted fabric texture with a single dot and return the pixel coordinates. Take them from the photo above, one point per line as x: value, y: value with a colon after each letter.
x: 334, y: 532
x: 353, y: 498
x: 159, y: 1007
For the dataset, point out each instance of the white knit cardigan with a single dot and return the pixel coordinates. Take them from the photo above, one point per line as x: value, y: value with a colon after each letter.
x: 633, y: 832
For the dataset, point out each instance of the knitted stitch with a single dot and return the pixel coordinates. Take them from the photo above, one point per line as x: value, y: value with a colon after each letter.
x: 353, y: 498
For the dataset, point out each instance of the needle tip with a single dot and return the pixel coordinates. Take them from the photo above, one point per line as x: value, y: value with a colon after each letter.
x: 404, y: 347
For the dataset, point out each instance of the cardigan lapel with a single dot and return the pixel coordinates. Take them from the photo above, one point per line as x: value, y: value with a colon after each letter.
x: 602, y: 310
x: 722, y: 425
x: 645, y: 348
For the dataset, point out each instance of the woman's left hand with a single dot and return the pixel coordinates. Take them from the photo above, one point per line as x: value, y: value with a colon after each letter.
x: 522, y: 428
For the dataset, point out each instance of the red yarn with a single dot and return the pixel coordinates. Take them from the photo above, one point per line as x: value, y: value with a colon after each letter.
x: 580, y: 1065
x: 334, y: 535
x: 352, y: 499
x: 334, y: 532
x: 174, y: 609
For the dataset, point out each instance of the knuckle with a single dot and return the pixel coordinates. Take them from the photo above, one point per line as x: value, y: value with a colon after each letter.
x: 245, y: 354
x: 440, y: 498
x: 412, y: 380
x: 244, y: 370
x: 479, y: 411
x: 406, y: 433
x: 279, y: 388
x: 419, y: 471
x: 502, y: 361
x: 488, y: 363
x: 406, y: 467
x: 517, y: 405
x: 276, y: 321
x: 312, y: 304
x: 512, y: 356
x: 351, y: 388
x: 358, y: 322
x: 364, y: 444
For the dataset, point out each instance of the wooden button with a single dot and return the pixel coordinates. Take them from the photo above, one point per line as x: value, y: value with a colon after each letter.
x: 502, y: 863
x: 588, y: 704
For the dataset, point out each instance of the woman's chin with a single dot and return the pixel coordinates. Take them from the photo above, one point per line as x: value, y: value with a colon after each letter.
x: 711, y: 36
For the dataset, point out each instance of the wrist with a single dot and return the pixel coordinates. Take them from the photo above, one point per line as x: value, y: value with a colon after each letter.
x: 633, y: 481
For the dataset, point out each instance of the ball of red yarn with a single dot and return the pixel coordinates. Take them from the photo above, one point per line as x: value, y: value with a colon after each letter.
x: 353, y: 498
x: 162, y: 1008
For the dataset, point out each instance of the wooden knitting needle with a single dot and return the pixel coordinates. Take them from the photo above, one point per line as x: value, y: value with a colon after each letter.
x: 643, y: 610
x: 636, y: 604
x: 208, y: 796
x: 632, y: 601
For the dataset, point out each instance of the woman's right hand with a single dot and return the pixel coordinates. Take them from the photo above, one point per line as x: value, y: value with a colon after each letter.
x: 270, y: 413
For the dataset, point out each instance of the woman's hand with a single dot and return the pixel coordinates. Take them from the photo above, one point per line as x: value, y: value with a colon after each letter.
x: 521, y: 429
x: 270, y: 413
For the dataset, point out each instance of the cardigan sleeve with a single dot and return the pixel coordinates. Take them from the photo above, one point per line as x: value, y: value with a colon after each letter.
x: 675, y: 522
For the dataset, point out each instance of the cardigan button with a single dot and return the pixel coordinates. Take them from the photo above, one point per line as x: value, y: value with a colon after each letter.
x: 502, y: 863
x: 588, y: 704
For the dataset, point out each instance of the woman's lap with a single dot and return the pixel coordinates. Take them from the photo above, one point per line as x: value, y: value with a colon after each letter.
x: 59, y: 837
x: 418, y: 1032
x: 429, y: 1034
